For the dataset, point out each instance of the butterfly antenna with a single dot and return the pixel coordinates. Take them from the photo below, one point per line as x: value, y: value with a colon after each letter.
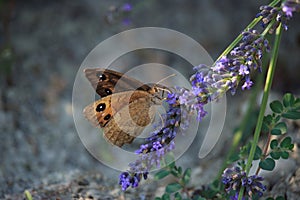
x: 166, y: 78
x: 164, y: 88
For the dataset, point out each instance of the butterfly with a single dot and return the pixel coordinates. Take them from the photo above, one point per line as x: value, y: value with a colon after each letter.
x: 125, y: 107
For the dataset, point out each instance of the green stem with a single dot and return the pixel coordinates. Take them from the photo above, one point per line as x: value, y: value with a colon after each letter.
x: 265, y: 32
x: 267, y: 88
x: 239, y: 37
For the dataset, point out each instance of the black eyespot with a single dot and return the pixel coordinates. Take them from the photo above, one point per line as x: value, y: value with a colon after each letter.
x: 107, y: 91
x: 101, y: 76
x: 100, y: 107
x: 107, y: 117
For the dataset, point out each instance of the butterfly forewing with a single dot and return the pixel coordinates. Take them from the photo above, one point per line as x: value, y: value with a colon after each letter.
x: 105, y: 80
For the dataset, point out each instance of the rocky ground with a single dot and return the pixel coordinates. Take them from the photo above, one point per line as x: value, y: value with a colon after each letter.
x: 46, y: 41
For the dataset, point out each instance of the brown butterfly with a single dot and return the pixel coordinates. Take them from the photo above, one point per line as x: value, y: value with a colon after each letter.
x: 124, y: 109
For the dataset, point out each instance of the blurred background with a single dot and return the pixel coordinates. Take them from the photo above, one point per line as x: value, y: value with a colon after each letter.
x: 43, y: 43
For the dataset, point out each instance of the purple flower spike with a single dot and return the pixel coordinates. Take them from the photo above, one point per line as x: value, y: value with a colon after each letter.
x: 290, y: 6
x: 234, y: 178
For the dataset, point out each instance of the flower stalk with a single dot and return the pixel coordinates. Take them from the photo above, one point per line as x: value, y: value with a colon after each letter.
x: 268, y: 84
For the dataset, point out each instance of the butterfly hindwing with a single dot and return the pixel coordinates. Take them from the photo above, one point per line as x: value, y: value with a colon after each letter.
x: 123, y: 116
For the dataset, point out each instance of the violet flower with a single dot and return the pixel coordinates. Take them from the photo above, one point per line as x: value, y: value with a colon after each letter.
x: 234, y: 179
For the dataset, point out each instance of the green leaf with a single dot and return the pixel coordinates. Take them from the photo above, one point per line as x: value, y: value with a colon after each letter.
x: 274, y: 144
x: 161, y: 174
x: 296, y: 105
x: 277, y: 118
x: 166, y: 197
x: 197, y: 197
x: 244, y: 150
x: 288, y: 100
x: 280, y: 198
x: 211, y: 191
x: 176, y: 171
x: 157, y: 198
x: 257, y: 153
x: 284, y: 155
x: 171, y: 165
x: 267, y: 164
x: 285, y: 143
x: 265, y: 128
x: 186, y: 175
x: 282, y: 126
x: 268, y: 119
x: 275, y: 155
x: 291, y: 115
x: 173, y: 187
x: 234, y: 157
x: 276, y: 106
x: 177, y: 196
x: 275, y: 131
x: 291, y: 147
x: 179, y: 170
